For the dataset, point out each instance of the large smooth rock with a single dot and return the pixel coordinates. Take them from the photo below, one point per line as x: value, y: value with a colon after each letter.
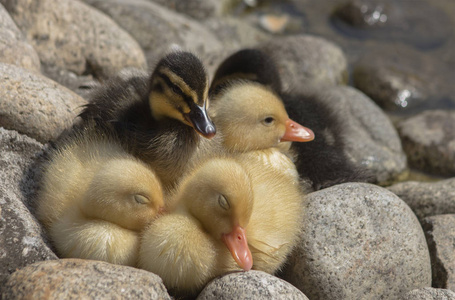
x: 14, y: 48
x: 73, y: 36
x: 156, y: 28
x: 306, y: 58
x: 440, y: 234
x: 197, y: 9
x: 429, y: 293
x: 35, y: 105
x: 358, y: 241
x: 427, y: 198
x: 21, y: 236
x: 429, y: 141
x: 83, y: 279
x: 369, y: 136
x: 250, y: 285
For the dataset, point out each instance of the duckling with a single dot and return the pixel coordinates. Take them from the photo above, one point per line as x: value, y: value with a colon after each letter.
x: 322, y: 161
x: 204, y: 235
x: 96, y: 198
x: 157, y: 118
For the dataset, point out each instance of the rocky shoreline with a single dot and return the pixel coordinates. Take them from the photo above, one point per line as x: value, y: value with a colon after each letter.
x: 389, y: 239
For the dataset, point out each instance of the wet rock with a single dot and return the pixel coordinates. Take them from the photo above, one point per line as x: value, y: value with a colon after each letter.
x: 156, y: 28
x: 14, y: 49
x: 429, y: 293
x: 197, y: 9
x: 35, y: 105
x: 429, y: 141
x: 76, y: 279
x: 21, y: 237
x: 402, y: 79
x: 358, y: 241
x: 427, y: 198
x: 440, y: 234
x: 305, y: 58
x: 417, y: 23
x: 250, y: 285
x: 370, y: 139
x: 71, y: 35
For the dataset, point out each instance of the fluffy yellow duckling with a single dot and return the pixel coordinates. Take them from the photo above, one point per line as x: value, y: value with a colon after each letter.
x: 204, y: 236
x: 95, y: 198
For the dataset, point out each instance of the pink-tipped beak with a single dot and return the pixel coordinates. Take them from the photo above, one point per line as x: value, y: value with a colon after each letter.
x: 297, y: 133
x: 238, y: 246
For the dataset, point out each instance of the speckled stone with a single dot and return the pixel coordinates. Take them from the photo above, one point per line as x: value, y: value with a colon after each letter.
x: 156, y: 28
x: 73, y: 36
x: 370, y: 138
x: 304, y: 58
x: 429, y: 293
x: 83, y: 279
x: 440, y: 234
x: 14, y: 49
x: 197, y: 9
x: 359, y: 241
x: 35, y: 105
x: 427, y: 198
x: 21, y: 236
x: 429, y: 141
x: 250, y: 285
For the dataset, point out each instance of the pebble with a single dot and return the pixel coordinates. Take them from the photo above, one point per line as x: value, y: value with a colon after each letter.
x: 14, y: 48
x: 73, y: 36
x: 440, y: 234
x: 427, y: 198
x: 83, y: 279
x: 429, y: 141
x: 21, y: 236
x: 250, y: 285
x: 197, y: 9
x: 35, y: 105
x: 156, y: 28
x: 305, y: 58
x: 358, y: 241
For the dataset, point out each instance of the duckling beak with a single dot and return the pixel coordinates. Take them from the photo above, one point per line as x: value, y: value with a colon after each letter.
x: 200, y: 121
x: 297, y: 133
x: 238, y: 246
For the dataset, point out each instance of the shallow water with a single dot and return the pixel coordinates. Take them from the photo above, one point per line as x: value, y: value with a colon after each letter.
x: 411, y: 39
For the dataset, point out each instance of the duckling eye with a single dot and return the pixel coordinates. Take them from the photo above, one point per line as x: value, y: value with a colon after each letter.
x: 141, y: 199
x: 176, y: 90
x: 268, y: 121
x: 222, y: 201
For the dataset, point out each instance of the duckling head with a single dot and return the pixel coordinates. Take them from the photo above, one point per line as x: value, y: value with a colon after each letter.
x: 132, y: 198
x: 252, y: 117
x: 220, y: 195
x: 179, y: 90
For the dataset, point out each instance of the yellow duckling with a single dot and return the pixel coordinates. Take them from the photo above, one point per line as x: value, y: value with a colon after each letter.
x: 204, y: 236
x: 95, y: 198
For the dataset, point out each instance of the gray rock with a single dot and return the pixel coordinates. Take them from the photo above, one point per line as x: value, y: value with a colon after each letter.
x: 35, y: 105
x: 370, y: 138
x: 359, y: 241
x: 197, y: 9
x: 440, y: 234
x: 417, y: 81
x: 14, y: 49
x: 83, y: 279
x: 21, y: 237
x: 73, y: 36
x: 305, y: 58
x: 429, y: 141
x: 156, y: 28
x: 429, y: 293
x: 427, y: 198
x: 250, y: 285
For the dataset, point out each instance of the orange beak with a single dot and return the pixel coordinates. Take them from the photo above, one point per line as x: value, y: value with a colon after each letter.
x: 296, y: 133
x: 238, y: 246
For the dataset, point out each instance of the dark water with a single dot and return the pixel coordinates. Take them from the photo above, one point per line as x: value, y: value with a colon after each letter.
x: 413, y: 40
